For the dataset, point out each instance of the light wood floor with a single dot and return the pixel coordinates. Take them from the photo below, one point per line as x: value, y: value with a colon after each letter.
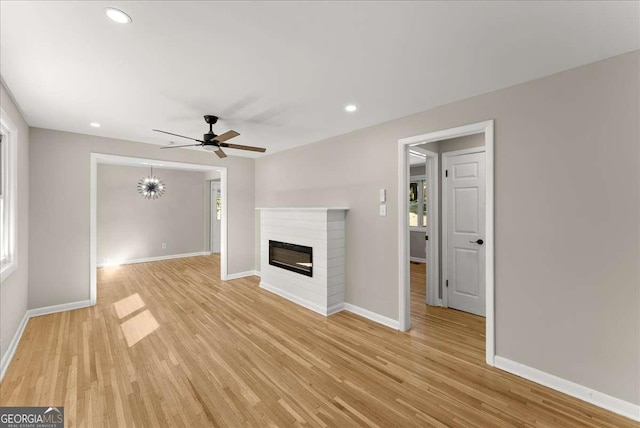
x: 169, y: 344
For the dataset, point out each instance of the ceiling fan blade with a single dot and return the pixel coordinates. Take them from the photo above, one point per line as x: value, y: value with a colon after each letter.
x: 220, y: 153
x: 177, y: 135
x: 241, y: 147
x: 226, y: 136
x: 185, y: 145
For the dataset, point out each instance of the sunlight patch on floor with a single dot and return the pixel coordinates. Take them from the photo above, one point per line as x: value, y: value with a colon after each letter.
x: 139, y: 327
x: 128, y: 305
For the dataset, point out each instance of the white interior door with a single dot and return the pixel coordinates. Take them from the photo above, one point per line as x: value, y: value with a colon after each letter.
x: 465, y: 224
x: 216, y: 216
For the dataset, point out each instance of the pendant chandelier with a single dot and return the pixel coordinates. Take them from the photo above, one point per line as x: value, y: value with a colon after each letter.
x: 151, y: 187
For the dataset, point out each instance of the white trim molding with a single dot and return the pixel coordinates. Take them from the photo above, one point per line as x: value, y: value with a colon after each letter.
x: 365, y: 313
x: 152, y: 259
x: 48, y: 310
x: 295, y: 299
x: 486, y: 128
x: 242, y: 274
x: 11, y: 350
x: 9, y: 170
x: 432, y: 247
x: 30, y: 313
x: 417, y: 259
x: 583, y: 393
x: 380, y: 319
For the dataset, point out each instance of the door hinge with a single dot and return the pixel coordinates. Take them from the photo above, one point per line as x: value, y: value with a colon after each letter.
x: 446, y: 172
x: 426, y: 237
x: 447, y: 283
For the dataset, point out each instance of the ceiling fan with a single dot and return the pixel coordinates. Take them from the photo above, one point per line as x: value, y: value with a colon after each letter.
x: 211, y: 141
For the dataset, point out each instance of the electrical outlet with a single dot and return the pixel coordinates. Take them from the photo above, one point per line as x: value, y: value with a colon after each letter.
x: 164, y: 245
x: 383, y: 210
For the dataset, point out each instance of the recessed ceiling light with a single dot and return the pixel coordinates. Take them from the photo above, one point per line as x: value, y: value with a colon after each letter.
x: 95, y: 124
x: 351, y: 108
x: 117, y: 15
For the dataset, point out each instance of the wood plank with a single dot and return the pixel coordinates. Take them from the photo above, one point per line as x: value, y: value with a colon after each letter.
x: 231, y: 354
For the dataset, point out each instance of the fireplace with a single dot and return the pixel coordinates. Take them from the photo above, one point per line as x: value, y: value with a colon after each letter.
x: 296, y: 258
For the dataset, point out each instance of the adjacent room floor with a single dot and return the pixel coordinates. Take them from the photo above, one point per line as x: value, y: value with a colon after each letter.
x: 169, y: 344
x: 455, y: 332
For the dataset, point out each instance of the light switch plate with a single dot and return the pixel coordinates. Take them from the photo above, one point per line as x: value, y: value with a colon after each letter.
x: 383, y: 210
x: 383, y: 195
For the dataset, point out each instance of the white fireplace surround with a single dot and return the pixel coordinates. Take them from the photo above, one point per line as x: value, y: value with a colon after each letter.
x: 323, y: 229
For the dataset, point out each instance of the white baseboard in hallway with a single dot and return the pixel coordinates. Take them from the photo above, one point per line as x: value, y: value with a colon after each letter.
x: 153, y: 259
x: 584, y: 393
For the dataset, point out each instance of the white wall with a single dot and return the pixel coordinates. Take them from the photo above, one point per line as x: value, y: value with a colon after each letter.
x: 14, y: 289
x: 131, y: 227
x: 59, y: 221
x: 567, y: 204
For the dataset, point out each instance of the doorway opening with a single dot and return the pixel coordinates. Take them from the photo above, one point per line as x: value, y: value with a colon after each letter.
x: 210, y: 172
x: 215, y: 215
x: 446, y: 230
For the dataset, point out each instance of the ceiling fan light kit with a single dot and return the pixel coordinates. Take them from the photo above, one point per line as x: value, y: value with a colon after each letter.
x: 212, y: 142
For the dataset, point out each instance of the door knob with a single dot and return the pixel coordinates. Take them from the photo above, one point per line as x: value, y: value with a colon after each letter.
x: 479, y: 242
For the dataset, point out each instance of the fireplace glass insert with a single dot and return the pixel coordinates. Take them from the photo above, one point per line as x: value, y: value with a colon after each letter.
x: 296, y: 258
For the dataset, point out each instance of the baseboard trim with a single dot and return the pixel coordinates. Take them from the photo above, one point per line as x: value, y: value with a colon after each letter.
x: 583, y: 393
x: 30, y: 313
x: 380, y: 319
x: 242, y: 274
x: 13, y: 346
x: 417, y: 260
x: 47, y: 310
x: 153, y: 259
x: 295, y: 299
x: 335, y: 309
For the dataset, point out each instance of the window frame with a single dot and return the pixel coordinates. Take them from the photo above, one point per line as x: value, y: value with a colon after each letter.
x: 9, y: 225
x: 421, y: 179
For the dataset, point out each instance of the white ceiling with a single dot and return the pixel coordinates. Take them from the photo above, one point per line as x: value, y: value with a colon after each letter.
x: 281, y: 73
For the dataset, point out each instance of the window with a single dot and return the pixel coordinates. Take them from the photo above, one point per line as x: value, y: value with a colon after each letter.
x: 8, y: 197
x: 418, y: 203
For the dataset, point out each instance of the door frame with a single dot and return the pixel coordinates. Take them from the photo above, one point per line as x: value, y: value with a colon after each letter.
x: 404, y: 294
x: 433, y: 257
x: 102, y: 158
x: 445, y: 225
x: 212, y: 210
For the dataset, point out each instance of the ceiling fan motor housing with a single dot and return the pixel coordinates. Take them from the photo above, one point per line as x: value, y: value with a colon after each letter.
x: 209, y: 136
